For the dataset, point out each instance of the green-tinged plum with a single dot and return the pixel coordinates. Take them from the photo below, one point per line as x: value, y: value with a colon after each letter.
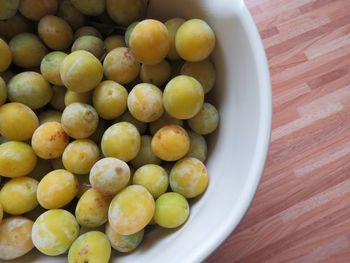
x: 110, y: 99
x: 50, y: 67
x: 113, y: 42
x: 128, y: 31
x: 72, y: 97
x: 16, y: 159
x: 189, y: 177
x: 57, y: 189
x: 92, y: 247
x: 203, y: 71
x: 172, y: 210
x: 183, y: 97
x: 131, y: 210
x: 153, y: 177
x: 122, y: 140
x: 206, y: 121
x: 157, y: 74
x: 31, y: 89
x: 198, y: 146
x: 79, y: 120
x: 195, y: 40
x: 124, y: 243
x: 172, y: 26
x: 18, y: 121
x: 92, y: 44
x: 18, y: 196
x: 81, y: 71
x: 80, y: 155
x: 27, y: 50
x: 92, y: 209
x: 54, y: 232
x: 145, y: 155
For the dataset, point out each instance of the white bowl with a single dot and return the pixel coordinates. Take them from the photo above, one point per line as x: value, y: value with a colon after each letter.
x: 238, y: 149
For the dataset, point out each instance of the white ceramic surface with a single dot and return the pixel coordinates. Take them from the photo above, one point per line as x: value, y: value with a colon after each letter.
x: 238, y: 149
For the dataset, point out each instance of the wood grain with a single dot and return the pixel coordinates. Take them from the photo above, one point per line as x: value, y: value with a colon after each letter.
x: 301, y: 212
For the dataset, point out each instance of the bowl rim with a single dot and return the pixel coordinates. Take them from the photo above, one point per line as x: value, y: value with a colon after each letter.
x: 263, y: 140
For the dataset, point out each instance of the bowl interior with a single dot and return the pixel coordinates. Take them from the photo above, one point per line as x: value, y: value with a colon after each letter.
x: 237, y: 150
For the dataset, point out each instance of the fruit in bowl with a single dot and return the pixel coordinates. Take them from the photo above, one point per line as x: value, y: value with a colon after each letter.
x: 133, y: 128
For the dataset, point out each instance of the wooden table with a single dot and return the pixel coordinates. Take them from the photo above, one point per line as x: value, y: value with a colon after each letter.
x: 301, y: 212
